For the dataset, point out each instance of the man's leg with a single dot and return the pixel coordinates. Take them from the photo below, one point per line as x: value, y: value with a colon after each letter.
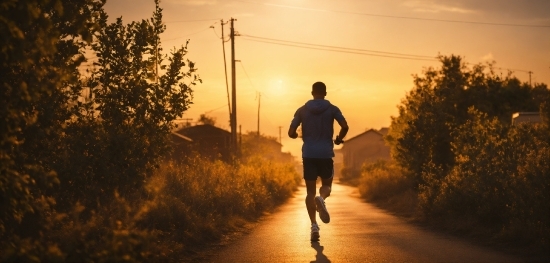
x: 310, y: 200
x: 327, y: 174
x: 326, y: 188
x: 311, y: 209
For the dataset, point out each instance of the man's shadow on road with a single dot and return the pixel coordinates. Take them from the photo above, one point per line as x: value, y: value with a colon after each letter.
x: 319, y: 257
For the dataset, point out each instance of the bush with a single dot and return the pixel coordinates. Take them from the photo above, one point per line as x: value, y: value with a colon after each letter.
x: 196, y: 202
x: 500, y: 181
x: 385, y: 183
x: 181, y: 208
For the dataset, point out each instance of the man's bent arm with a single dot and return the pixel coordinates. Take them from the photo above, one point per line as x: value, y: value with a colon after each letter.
x: 292, y: 132
x: 343, y: 128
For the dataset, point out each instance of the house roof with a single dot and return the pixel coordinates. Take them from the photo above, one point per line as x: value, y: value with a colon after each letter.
x: 185, y: 138
x: 201, y: 131
x: 382, y: 132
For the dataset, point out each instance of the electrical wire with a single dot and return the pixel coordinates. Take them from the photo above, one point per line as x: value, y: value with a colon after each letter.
x: 398, y: 17
x: 185, y: 21
x: 339, y: 49
x: 170, y: 39
x: 511, y: 69
x: 223, y: 106
x: 336, y: 47
x: 246, y: 73
x: 215, y: 33
x: 351, y: 51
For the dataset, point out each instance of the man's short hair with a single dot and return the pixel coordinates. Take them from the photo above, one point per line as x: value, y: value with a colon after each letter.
x: 319, y: 88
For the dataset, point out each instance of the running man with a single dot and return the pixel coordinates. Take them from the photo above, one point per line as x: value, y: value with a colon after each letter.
x: 317, y: 118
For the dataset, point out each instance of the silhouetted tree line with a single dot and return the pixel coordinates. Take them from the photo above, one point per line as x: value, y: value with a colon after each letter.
x: 454, y: 137
x: 78, y: 130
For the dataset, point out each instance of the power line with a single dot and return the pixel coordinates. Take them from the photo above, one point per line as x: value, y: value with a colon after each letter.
x: 246, y: 74
x: 398, y: 17
x: 339, y: 49
x: 508, y: 69
x: 186, y: 21
x: 189, y: 34
x: 511, y: 69
x: 336, y: 47
x: 223, y: 106
x: 350, y: 50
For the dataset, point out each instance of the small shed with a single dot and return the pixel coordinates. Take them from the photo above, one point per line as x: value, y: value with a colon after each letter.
x: 206, y: 140
x: 368, y: 146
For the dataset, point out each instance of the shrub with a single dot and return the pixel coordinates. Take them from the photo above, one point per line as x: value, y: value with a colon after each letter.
x: 500, y: 181
x: 197, y: 201
x: 181, y: 208
x: 385, y: 182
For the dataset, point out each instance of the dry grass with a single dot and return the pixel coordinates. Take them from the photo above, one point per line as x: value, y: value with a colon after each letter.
x: 182, y: 208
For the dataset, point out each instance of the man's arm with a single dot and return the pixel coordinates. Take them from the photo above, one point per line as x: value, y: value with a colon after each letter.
x: 294, y: 124
x: 292, y: 132
x: 343, y: 131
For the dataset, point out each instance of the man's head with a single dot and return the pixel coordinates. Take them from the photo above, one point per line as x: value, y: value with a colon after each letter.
x: 319, y: 90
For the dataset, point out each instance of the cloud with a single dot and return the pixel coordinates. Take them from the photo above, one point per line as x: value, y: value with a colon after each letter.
x: 427, y: 6
x: 488, y: 57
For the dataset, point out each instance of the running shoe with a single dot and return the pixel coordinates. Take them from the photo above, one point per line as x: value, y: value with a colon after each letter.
x: 322, y: 209
x: 315, y: 232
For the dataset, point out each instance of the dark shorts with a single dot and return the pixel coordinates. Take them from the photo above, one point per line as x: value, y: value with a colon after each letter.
x: 322, y: 167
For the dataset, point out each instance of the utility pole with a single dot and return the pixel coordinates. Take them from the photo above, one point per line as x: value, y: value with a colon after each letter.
x: 280, y: 141
x: 530, y: 72
x: 233, y: 91
x: 225, y: 70
x: 259, y: 99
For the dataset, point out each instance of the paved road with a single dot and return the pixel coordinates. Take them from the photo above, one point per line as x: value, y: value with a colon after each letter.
x: 358, y: 232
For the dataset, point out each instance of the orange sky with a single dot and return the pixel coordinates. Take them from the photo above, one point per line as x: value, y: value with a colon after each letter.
x: 366, y: 88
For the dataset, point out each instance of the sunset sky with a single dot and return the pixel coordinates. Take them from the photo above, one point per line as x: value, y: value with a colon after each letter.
x: 367, y: 88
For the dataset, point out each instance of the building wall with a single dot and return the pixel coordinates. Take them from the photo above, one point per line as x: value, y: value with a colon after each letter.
x: 367, y: 147
x: 209, y: 141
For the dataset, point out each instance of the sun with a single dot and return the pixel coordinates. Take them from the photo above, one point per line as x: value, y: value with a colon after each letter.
x: 276, y: 87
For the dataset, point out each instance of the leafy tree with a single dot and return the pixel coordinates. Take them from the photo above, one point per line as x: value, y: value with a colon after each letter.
x: 137, y: 94
x: 454, y: 136
x: 41, y: 42
x: 85, y: 149
x: 421, y: 135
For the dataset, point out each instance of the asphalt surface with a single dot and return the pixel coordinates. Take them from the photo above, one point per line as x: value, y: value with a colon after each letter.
x: 358, y: 232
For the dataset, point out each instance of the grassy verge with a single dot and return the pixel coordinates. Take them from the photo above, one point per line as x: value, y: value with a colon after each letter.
x: 196, y: 203
x: 182, y: 208
x: 386, y: 185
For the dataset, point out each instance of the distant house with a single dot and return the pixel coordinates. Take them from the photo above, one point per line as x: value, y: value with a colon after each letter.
x: 526, y: 117
x: 264, y: 146
x: 181, y: 145
x: 207, y: 140
x: 368, y: 146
